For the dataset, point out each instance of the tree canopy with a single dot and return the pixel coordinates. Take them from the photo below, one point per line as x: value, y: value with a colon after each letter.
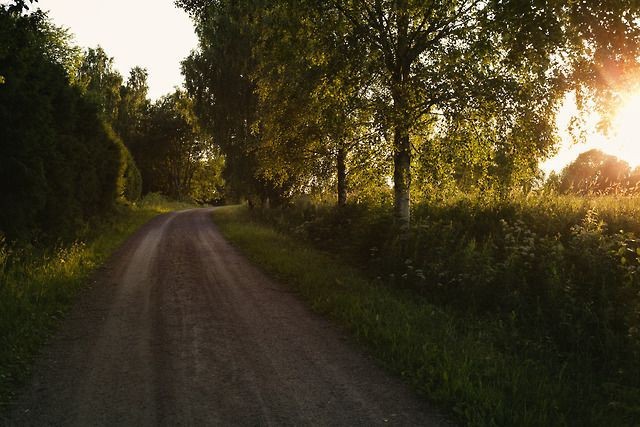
x: 174, y: 152
x: 355, y: 100
x: 462, y: 93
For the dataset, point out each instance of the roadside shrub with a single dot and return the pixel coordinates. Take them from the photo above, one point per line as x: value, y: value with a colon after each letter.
x: 560, y: 272
x: 129, y: 177
x: 58, y: 163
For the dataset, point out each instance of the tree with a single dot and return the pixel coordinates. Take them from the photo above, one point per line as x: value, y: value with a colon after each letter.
x: 121, y: 106
x: 133, y: 105
x: 208, y: 184
x: 439, y: 78
x: 101, y: 82
x: 437, y: 65
x: 18, y: 6
x: 594, y: 172
x: 312, y: 115
x: 603, y: 40
x: 218, y: 78
x: 58, y: 162
x: 174, y: 146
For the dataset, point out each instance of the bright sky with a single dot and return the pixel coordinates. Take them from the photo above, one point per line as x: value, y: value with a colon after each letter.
x: 623, y: 141
x: 153, y: 34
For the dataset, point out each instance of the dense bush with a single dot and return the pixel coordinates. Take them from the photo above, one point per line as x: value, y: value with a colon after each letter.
x: 129, y: 185
x: 60, y: 165
x: 560, y: 272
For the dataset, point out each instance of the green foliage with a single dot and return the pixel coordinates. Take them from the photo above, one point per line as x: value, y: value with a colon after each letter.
x: 61, y: 164
x: 133, y: 107
x: 129, y: 177
x: 58, y: 162
x: 208, y: 183
x: 461, y: 94
x: 100, y: 82
x: 315, y: 127
x: 122, y: 106
x: 218, y: 78
x: 605, y: 44
x: 555, y: 272
x: 160, y: 203
x: 172, y: 148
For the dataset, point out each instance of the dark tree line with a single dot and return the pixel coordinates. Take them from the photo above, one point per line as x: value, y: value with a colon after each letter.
x: 73, y: 131
x: 169, y: 150
x: 59, y: 163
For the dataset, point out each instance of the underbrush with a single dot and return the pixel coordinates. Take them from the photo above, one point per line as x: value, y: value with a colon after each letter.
x: 557, y: 277
x: 38, y: 284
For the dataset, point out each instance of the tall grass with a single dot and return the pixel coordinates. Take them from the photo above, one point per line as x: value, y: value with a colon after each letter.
x: 551, y: 283
x: 38, y: 285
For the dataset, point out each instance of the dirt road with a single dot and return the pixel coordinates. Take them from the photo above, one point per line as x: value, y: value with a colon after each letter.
x: 179, y: 329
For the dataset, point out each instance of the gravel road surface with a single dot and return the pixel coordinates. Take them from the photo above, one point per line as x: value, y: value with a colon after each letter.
x: 179, y: 329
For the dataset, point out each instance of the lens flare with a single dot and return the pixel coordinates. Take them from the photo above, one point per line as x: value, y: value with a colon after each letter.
x: 625, y: 136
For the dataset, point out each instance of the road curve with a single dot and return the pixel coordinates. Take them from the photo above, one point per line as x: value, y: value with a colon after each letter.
x: 179, y: 329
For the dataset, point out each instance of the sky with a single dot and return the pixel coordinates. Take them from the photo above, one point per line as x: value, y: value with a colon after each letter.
x: 622, y: 141
x: 569, y: 149
x: 153, y: 34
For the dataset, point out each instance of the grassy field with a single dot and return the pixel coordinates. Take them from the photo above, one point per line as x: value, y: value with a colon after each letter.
x: 38, y: 285
x: 490, y: 362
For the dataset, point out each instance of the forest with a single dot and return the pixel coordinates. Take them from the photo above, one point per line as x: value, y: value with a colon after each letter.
x: 78, y: 138
x: 404, y: 136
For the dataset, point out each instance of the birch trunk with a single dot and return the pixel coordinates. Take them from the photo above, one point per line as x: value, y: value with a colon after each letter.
x: 342, y: 176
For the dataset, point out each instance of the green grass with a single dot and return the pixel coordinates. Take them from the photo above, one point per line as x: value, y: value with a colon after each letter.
x: 476, y: 366
x: 38, y: 285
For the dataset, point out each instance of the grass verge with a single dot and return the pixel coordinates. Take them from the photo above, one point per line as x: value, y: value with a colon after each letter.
x: 37, y: 287
x: 466, y: 363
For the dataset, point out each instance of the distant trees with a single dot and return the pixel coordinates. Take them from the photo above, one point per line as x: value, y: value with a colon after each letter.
x: 133, y: 106
x: 175, y: 153
x: 69, y: 123
x: 100, y: 82
x: 594, y: 172
x: 120, y: 106
x: 162, y: 144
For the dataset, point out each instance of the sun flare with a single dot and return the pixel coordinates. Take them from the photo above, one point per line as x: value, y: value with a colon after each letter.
x: 625, y: 131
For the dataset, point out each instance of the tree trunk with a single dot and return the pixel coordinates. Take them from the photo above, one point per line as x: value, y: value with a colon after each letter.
x: 342, y: 176
x: 400, y: 72
x: 402, y: 176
